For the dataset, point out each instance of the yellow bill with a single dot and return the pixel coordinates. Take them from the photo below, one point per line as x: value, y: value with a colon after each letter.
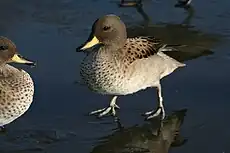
x: 91, y: 43
x: 19, y: 59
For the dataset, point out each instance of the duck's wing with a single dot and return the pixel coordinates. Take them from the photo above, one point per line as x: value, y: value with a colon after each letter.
x: 143, y: 47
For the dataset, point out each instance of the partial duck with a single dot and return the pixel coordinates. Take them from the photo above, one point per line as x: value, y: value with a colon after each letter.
x: 16, y: 85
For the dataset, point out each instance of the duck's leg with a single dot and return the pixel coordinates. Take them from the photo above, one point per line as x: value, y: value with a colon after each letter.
x: 160, y: 107
x: 110, y: 109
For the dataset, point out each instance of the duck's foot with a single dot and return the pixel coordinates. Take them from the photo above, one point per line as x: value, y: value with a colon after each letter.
x: 105, y: 111
x: 155, y: 113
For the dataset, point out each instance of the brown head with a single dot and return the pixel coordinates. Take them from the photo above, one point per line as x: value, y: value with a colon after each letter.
x: 8, y: 53
x: 109, y: 31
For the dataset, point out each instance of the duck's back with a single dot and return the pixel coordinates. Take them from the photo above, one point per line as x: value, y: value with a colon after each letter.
x: 16, y: 93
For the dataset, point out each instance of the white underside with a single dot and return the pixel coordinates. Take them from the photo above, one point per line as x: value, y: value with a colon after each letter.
x: 144, y: 73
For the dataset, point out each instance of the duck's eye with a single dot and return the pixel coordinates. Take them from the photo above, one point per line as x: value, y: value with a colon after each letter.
x: 106, y: 28
x: 3, y: 47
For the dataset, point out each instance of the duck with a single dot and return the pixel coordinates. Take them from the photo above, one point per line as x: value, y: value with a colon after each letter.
x: 117, y: 66
x: 16, y: 85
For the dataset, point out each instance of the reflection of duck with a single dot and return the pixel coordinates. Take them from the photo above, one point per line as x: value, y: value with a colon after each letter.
x: 16, y: 86
x: 153, y: 137
x: 138, y: 5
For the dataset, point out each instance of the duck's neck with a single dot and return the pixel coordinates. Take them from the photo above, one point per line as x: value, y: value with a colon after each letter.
x: 111, y: 48
x: 115, y: 44
x: 7, y: 70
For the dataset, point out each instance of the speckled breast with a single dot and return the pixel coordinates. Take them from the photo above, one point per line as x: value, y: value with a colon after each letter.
x: 102, y: 75
x: 16, y: 94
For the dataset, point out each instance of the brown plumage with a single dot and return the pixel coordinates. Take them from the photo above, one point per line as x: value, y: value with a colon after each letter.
x: 140, y: 47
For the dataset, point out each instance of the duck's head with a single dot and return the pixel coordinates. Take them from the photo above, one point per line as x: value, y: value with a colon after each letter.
x: 9, y: 54
x: 108, y: 30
